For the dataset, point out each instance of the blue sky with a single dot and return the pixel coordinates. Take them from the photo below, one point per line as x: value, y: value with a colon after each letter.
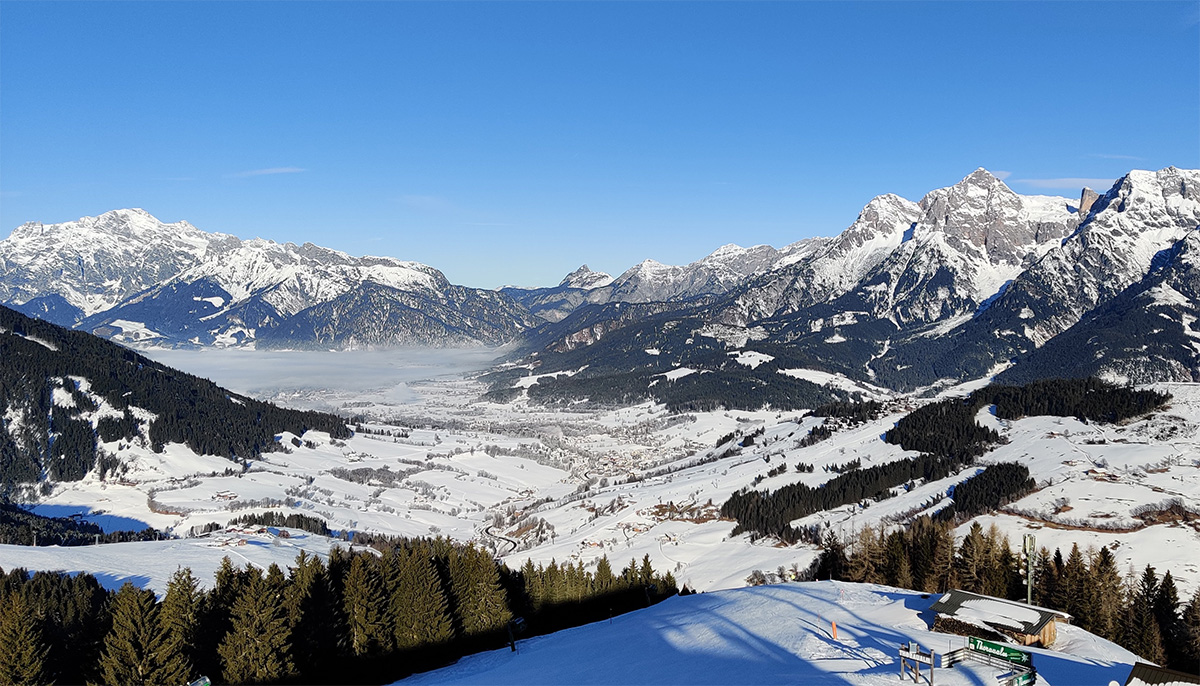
x: 509, y: 142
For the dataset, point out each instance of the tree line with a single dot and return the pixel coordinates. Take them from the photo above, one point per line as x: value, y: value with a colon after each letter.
x: 365, y: 616
x: 21, y: 527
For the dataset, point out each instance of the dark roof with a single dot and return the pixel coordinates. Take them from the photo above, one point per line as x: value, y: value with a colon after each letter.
x: 1149, y: 675
x: 1025, y: 619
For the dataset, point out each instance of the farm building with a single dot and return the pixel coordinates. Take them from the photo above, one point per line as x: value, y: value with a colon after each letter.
x: 966, y: 613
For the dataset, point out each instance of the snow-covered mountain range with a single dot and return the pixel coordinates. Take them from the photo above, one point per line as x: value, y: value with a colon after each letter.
x: 126, y: 275
x: 971, y: 277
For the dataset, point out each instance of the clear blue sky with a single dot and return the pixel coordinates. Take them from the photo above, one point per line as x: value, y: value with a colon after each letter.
x: 509, y: 142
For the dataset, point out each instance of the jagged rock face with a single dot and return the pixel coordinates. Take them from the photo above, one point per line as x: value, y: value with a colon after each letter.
x: 134, y: 278
x: 982, y: 217
x: 969, y: 278
x: 96, y: 262
x: 917, y: 263
x: 650, y: 281
x: 1147, y: 333
x: 1087, y: 198
x: 585, y: 279
x: 830, y: 267
x: 1143, y: 214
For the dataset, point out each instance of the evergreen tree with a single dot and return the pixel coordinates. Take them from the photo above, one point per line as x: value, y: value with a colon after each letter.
x: 1166, y: 612
x: 941, y: 576
x: 832, y: 562
x: 646, y: 571
x: 1190, y: 632
x: 480, y: 601
x: 216, y: 609
x: 1107, y: 596
x: 22, y: 653
x: 894, y: 552
x: 364, y: 604
x: 255, y: 649
x: 1142, y: 635
x: 604, y: 576
x: 134, y: 648
x: 179, y: 620
x: 973, y: 560
x: 1072, y: 592
x: 311, y: 618
x: 1045, y: 579
x: 418, y: 611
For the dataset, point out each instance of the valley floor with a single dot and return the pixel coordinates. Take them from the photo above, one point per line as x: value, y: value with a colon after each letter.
x: 575, y: 484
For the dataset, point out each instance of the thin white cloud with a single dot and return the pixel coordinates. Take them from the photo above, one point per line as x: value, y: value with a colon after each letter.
x: 1066, y: 182
x: 1105, y: 156
x: 267, y: 172
x: 1002, y: 175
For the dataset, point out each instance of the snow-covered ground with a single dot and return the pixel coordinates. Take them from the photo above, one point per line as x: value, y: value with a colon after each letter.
x: 780, y: 634
x: 574, y: 484
x: 150, y: 564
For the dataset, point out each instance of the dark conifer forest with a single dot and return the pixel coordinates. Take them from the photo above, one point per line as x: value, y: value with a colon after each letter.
x: 948, y: 437
x: 371, y: 615
x: 41, y: 360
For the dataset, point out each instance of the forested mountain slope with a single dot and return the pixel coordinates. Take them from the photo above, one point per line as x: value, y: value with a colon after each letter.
x: 68, y: 400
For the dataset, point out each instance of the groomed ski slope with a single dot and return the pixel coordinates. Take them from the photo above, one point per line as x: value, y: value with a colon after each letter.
x: 778, y: 634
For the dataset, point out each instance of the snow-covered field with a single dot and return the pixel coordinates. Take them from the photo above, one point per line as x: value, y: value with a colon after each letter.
x: 780, y: 634
x: 573, y: 485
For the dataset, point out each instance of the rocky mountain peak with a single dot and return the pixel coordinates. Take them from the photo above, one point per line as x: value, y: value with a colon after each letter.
x: 585, y: 279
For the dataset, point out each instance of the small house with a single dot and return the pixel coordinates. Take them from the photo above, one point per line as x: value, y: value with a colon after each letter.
x: 965, y: 613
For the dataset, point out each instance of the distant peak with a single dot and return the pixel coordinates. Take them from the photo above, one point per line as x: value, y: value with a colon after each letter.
x: 981, y: 177
x: 585, y: 278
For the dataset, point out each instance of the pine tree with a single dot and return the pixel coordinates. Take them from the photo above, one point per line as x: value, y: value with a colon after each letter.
x: 1107, y: 596
x: 1072, y: 588
x: 941, y: 576
x: 22, y: 653
x: 1142, y: 635
x: 364, y: 603
x: 1190, y: 632
x: 973, y: 560
x: 417, y: 610
x: 480, y: 601
x: 179, y: 620
x: 255, y: 649
x: 1045, y: 579
x: 832, y: 562
x: 604, y: 578
x: 1166, y: 612
x: 216, y: 608
x: 309, y: 607
x: 646, y: 571
x: 134, y: 648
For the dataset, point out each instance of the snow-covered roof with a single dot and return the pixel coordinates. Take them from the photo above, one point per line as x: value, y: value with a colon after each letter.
x: 1149, y: 675
x: 997, y: 612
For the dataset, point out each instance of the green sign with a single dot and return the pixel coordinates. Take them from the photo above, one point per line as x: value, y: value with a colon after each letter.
x: 1023, y: 679
x: 1017, y: 657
